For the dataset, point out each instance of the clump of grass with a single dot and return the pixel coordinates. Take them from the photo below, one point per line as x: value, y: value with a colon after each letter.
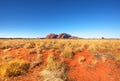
x: 5, y: 45
x: 39, y: 50
x: 37, y: 61
x: 29, y: 45
x: 40, y: 45
x: 52, y: 62
x: 117, y: 58
x: 58, y: 45
x: 67, y: 52
x: 39, y: 56
x: 32, y: 51
x: 13, y: 68
x: 7, y: 57
x: 55, y: 70
x: 77, y: 49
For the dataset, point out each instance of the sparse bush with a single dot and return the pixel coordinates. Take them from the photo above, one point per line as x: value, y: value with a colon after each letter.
x: 55, y: 70
x: 102, y: 38
x: 94, y: 46
x: 40, y: 45
x: 3, y: 69
x: 117, y: 58
x: 77, y: 49
x: 33, y: 51
x: 29, y: 45
x: 67, y: 52
x: 37, y: 61
x: 14, y: 68
x: 52, y: 62
x: 7, y: 57
x: 39, y: 57
x: 5, y: 45
x: 39, y: 50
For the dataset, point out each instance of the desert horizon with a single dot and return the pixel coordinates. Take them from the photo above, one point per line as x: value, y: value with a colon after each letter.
x: 59, y: 40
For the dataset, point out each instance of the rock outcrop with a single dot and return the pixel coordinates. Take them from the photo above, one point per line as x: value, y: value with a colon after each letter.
x: 63, y: 36
x: 51, y: 36
x: 60, y: 36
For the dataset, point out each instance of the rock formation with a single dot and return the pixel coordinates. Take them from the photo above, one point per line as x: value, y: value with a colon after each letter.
x: 60, y: 36
x: 63, y: 36
x: 51, y: 36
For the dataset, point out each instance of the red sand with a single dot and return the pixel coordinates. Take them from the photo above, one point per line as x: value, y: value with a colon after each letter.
x: 101, y: 71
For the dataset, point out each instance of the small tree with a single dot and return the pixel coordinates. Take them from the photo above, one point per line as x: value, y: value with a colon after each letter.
x: 102, y: 38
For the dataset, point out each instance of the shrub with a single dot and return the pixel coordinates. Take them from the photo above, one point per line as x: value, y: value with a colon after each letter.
x: 40, y: 45
x: 102, y: 38
x: 29, y: 45
x: 5, y: 45
x: 117, y: 58
x: 13, y: 68
x: 39, y: 50
x: 7, y: 57
x: 77, y: 49
x: 67, y: 52
x: 39, y: 56
x: 32, y: 51
x: 54, y: 71
x: 37, y: 61
x: 52, y: 62
x: 2, y: 71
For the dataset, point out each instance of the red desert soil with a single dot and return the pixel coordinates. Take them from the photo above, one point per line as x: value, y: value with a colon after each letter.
x: 90, y: 69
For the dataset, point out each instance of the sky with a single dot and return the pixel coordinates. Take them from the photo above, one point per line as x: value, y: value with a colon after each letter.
x: 82, y: 18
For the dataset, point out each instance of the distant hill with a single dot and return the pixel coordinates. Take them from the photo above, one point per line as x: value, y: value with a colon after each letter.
x: 60, y: 36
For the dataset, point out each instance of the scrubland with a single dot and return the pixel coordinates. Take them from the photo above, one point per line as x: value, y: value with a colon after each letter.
x: 59, y: 60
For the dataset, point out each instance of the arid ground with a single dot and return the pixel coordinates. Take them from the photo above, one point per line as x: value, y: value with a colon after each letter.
x: 59, y: 60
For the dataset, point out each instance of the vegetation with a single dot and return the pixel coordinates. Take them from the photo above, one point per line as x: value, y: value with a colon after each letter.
x: 67, y: 52
x: 13, y: 68
x: 55, y: 70
x: 54, y: 56
x: 29, y: 45
x: 96, y: 46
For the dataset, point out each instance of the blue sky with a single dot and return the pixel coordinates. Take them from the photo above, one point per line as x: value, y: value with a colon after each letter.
x: 37, y: 18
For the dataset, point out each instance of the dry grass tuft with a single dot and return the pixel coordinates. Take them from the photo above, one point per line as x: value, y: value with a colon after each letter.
x: 13, y: 68
x: 55, y: 70
x: 67, y: 52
